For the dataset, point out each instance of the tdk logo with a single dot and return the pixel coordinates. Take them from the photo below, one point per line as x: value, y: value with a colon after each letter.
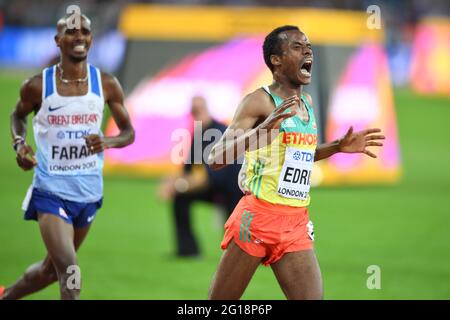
x: 67, y: 134
x: 303, y: 156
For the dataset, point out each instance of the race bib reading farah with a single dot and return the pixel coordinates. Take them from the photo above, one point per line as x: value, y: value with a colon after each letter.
x: 295, y: 174
x: 69, y: 155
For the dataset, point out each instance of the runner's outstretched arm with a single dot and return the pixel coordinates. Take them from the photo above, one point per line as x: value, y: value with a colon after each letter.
x: 352, y: 142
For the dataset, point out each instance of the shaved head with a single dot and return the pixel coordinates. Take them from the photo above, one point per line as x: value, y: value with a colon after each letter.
x: 69, y: 22
x: 74, y: 36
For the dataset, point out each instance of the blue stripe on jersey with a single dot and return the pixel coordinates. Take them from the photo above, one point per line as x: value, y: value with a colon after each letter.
x: 94, y: 80
x: 48, y: 82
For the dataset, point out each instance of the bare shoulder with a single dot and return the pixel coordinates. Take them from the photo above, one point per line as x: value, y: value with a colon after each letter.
x: 33, y: 84
x: 31, y: 89
x: 109, y: 81
x: 257, y: 104
x: 308, y: 98
x: 254, y: 108
x: 30, y: 96
x: 111, y: 86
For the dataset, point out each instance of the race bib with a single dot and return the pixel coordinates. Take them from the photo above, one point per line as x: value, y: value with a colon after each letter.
x: 69, y: 155
x: 295, y: 175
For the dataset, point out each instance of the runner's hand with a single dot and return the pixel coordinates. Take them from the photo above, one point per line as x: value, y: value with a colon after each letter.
x: 95, y: 143
x: 357, y: 142
x: 277, y: 116
x: 268, y: 130
x: 25, y: 157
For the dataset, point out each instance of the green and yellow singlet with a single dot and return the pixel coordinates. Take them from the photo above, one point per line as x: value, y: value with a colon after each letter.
x: 280, y: 173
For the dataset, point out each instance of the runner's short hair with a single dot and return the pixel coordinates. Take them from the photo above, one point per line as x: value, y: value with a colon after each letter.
x: 272, y: 43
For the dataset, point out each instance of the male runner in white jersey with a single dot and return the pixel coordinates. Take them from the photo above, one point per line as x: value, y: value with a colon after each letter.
x: 67, y: 101
x: 270, y: 225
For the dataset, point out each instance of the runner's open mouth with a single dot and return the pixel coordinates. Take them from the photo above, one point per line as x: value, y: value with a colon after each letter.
x: 305, y: 69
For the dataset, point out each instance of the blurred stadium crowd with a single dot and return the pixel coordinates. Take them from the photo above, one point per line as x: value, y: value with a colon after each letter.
x: 42, y: 13
x: 400, y: 18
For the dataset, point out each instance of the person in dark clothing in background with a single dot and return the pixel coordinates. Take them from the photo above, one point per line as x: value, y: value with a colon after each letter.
x: 198, y: 182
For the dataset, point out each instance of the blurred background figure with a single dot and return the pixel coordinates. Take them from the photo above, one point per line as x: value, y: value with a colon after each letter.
x: 197, y: 182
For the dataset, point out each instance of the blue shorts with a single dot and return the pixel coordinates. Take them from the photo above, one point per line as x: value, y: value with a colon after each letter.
x: 79, y: 214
